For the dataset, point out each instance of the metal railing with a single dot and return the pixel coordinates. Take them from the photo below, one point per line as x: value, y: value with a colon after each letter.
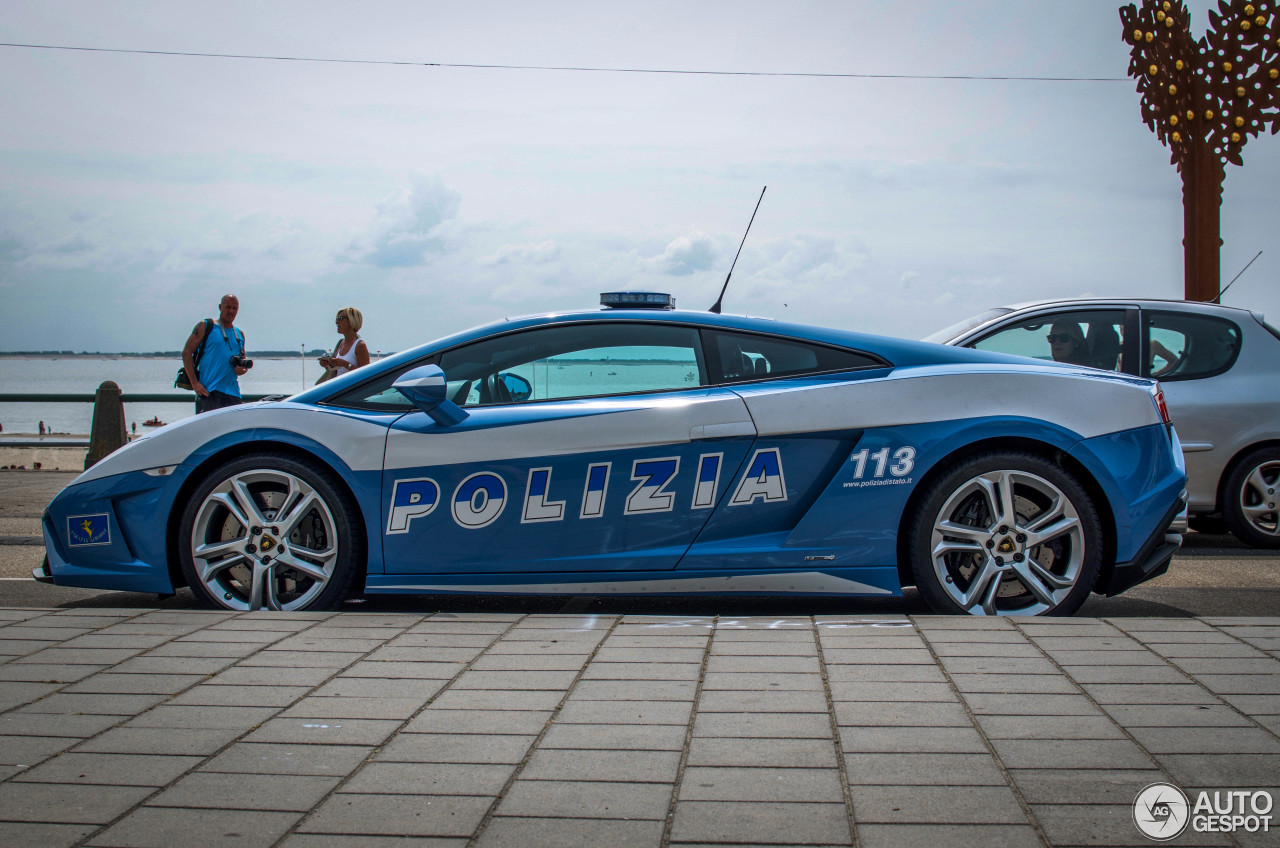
x: 125, y: 397
x: 90, y: 397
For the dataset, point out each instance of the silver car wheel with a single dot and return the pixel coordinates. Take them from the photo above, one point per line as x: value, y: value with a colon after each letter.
x: 1259, y: 500
x: 1007, y: 543
x: 264, y: 538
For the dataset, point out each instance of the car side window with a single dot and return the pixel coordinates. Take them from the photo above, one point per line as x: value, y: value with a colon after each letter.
x: 574, y: 361
x: 1186, y: 346
x: 747, y: 356
x: 1093, y: 338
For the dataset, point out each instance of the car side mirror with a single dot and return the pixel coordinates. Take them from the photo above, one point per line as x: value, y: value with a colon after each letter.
x: 518, y: 386
x: 425, y: 388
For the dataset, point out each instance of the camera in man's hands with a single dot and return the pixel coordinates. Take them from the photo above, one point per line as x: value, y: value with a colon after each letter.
x: 241, y: 362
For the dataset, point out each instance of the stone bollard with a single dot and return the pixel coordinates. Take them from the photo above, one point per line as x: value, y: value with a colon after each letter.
x: 108, y: 423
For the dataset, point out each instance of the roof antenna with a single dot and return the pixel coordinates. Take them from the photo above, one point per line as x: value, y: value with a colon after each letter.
x: 1218, y: 299
x: 716, y: 307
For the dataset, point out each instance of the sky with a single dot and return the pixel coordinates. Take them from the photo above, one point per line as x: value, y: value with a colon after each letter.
x: 135, y: 190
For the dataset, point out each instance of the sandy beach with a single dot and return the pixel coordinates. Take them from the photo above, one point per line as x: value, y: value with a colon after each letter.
x: 51, y: 452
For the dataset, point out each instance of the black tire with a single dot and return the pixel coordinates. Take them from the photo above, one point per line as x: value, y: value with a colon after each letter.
x: 270, y: 531
x: 1251, y: 498
x: 971, y: 553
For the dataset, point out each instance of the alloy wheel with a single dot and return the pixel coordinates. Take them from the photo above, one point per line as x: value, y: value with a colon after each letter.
x: 264, y: 538
x: 1259, y: 501
x: 1007, y: 542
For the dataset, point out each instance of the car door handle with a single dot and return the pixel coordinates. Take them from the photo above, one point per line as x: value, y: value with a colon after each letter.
x: 1196, y: 447
x: 721, y: 431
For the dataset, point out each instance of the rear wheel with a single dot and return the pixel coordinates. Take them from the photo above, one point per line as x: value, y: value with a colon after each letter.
x: 268, y: 531
x: 1006, y: 533
x: 1251, y: 503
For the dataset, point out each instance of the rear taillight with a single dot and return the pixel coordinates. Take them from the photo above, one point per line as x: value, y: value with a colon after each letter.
x: 1157, y: 395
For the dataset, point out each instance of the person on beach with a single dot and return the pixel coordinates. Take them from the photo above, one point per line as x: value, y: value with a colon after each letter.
x: 216, y: 381
x: 351, y: 352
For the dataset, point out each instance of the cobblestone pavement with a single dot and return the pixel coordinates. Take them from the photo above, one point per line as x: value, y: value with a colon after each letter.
x: 130, y: 727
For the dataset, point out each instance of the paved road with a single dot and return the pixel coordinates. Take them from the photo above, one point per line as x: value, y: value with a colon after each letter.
x: 574, y: 721
x: 1212, y: 575
x: 127, y: 727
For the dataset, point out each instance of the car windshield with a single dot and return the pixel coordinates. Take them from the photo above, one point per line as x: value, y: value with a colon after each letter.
x: 554, y: 363
x: 960, y: 327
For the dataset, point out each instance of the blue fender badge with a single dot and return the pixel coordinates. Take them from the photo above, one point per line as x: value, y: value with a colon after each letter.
x: 85, y: 530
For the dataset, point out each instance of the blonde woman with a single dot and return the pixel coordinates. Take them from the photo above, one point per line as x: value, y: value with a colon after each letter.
x: 351, y: 352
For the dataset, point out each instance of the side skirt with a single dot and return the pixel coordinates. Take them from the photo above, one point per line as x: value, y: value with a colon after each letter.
x: 880, y: 581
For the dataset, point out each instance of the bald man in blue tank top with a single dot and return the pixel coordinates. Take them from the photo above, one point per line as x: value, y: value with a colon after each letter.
x: 215, y: 380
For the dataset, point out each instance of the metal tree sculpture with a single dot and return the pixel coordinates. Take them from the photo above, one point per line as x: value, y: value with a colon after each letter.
x: 1203, y: 99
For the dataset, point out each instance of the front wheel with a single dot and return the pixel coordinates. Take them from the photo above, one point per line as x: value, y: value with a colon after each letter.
x: 1005, y: 533
x: 270, y: 531
x: 1250, y: 501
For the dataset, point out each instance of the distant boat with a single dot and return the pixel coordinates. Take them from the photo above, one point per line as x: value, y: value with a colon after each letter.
x: 153, y: 422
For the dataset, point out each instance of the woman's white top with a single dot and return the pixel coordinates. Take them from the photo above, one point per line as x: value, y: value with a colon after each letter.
x: 349, y: 357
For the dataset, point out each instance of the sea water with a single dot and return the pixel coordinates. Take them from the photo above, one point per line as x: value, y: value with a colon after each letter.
x: 134, y: 375
x: 568, y: 377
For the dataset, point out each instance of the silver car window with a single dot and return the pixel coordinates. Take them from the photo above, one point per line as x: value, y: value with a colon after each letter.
x: 1186, y: 346
x: 1093, y: 338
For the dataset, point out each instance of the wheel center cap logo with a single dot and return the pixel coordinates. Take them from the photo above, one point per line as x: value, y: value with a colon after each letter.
x: 1006, y: 546
x: 1161, y: 811
x: 266, y: 544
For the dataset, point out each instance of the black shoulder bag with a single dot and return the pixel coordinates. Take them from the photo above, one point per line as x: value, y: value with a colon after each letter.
x: 183, y: 381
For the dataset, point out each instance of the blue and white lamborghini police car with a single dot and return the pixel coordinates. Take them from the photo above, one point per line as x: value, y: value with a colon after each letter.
x: 638, y: 450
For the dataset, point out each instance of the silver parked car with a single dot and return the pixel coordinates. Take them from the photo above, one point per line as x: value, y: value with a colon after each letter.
x: 1220, y: 371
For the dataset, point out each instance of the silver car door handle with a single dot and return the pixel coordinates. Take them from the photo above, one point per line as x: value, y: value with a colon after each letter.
x: 721, y: 431
x: 1194, y: 447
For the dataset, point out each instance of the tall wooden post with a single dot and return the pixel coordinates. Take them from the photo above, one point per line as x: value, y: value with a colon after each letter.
x: 107, y: 433
x: 1202, y: 177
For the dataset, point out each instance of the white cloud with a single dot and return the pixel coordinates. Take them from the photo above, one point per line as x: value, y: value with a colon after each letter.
x: 405, y: 228
x: 148, y: 185
x: 687, y: 255
x: 523, y: 254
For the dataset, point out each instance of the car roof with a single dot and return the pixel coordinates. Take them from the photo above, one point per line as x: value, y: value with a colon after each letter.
x: 885, y: 345
x: 975, y: 324
x: 898, y: 352
x: 1190, y: 305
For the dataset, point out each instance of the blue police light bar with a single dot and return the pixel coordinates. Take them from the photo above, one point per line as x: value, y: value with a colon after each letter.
x: 637, y: 300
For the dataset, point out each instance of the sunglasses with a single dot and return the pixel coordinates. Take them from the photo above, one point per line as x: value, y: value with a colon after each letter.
x: 1054, y: 338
